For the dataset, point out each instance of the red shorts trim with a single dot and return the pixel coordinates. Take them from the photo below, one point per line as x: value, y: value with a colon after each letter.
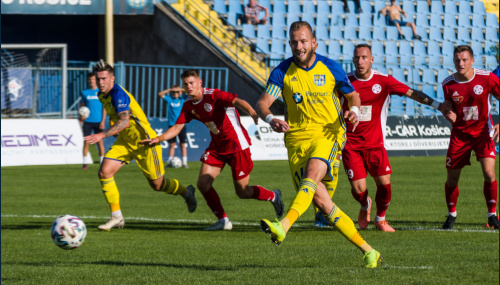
x: 358, y: 162
x: 240, y: 162
x: 461, y: 147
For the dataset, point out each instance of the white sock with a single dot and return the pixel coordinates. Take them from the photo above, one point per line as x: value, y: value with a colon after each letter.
x: 84, y: 160
x: 101, y: 158
x: 379, y: 219
x: 491, y: 214
x: 226, y: 220
x: 170, y: 159
x: 117, y: 214
x: 368, y: 205
x: 454, y: 214
x: 184, y: 160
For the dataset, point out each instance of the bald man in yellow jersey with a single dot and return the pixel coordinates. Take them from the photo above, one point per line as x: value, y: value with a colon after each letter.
x: 314, y: 132
x: 131, y: 125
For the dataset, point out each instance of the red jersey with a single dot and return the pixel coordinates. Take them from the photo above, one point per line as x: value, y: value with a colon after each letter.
x: 216, y: 111
x: 374, y: 94
x: 471, y: 101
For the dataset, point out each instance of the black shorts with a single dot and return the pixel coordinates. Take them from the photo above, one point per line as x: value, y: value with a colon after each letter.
x: 88, y: 127
x: 182, y: 136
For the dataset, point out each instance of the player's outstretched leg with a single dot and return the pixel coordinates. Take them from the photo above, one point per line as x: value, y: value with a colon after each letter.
x: 372, y: 258
x: 190, y: 199
x: 114, y: 222
x: 450, y: 221
x: 110, y: 191
x: 364, y: 215
x: 223, y: 224
x: 174, y: 187
x: 279, y: 206
x: 274, y: 229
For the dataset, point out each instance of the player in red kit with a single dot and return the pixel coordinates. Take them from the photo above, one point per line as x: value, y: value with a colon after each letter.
x: 364, y: 151
x: 230, y: 145
x: 470, y: 91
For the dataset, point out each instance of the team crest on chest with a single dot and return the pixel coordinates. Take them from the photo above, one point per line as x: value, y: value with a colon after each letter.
x: 457, y: 98
x: 297, y: 97
x: 207, y: 107
x: 319, y: 79
x: 376, y: 88
x: 478, y: 89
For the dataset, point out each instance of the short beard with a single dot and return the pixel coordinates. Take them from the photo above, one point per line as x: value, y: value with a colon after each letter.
x: 306, y: 61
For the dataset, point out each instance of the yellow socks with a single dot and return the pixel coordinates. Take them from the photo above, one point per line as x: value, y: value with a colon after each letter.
x: 304, y: 196
x: 111, y: 194
x: 345, y: 226
x: 173, y: 187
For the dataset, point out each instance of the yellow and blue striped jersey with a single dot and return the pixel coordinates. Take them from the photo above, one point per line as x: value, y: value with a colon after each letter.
x: 310, y: 95
x: 119, y: 100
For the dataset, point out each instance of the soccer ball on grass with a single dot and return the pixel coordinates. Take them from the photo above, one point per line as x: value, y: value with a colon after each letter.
x: 68, y: 232
x: 176, y: 162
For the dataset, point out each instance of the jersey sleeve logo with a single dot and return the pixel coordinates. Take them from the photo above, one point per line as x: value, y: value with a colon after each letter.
x: 297, y: 97
x: 376, y: 88
x: 478, y: 89
x: 319, y: 79
x: 207, y: 107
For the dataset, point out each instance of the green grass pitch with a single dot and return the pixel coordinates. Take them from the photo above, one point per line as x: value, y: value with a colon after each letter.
x: 163, y: 244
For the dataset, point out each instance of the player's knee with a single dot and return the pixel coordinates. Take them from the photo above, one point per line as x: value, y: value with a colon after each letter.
x: 244, y: 193
x: 489, y: 175
x: 203, y: 186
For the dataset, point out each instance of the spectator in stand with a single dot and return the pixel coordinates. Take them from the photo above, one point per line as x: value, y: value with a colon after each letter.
x: 174, y: 107
x: 429, y: 3
x: 394, y: 12
x: 358, y: 6
x: 252, y: 11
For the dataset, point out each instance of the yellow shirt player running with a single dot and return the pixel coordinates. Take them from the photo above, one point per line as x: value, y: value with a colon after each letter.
x: 314, y: 132
x: 131, y: 125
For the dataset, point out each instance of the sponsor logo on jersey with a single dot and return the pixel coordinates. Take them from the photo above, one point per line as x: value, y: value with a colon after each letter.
x: 297, y: 97
x: 194, y: 113
x: 294, y: 79
x: 319, y: 79
x: 376, y: 88
x: 207, y: 107
x: 478, y: 89
x: 457, y: 98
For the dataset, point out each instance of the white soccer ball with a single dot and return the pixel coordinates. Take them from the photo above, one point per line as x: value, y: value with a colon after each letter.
x: 84, y: 112
x: 68, y: 232
x: 176, y: 162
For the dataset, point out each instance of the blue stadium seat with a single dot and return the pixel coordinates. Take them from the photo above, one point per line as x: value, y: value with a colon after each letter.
x: 450, y: 7
x: 442, y: 75
x: 334, y: 48
x: 248, y: 31
x: 416, y: 79
x: 279, y: 7
x: 321, y: 49
x: 263, y: 32
x: 379, y: 34
x: 322, y: 32
x: 396, y: 108
x: 464, y: 7
x: 288, y: 51
x: 435, y: 34
x: 440, y: 92
x: 391, y: 61
x: 428, y: 76
x: 364, y: 33
x: 335, y: 33
x: 309, y: 7
x: 491, y: 34
x: 398, y: 73
x: 277, y: 46
x: 235, y: 6
x: 392, y: 33
x: 379, y: 67
x: 418, y: 48
x: 365, y: 21
x: 408, y: 32
x: 479, y: 8
x: 324, y: 7
x: 420, y: 61
x: 406, y: 62
x: 422, y: 31
x: 309, y: 18
x: 478, y: 20
x: 437, y: 7
x: 379, y: 5
x: 463, y: 34
x: 436, y: 21
x: 405, y: 49
x: 449, y: 20
x: 477, y: 47
x: 429, y: 90
x: 427, y: 111
x: 449, y: 34
x: 434, y: 61
x: 290, y: 18
x: 422, y: 7
x: 336, y: 20
x: 410, y: 108
x: 379, y: 20
x: 408, y: 6
x: 366, y: 6
x: 278, y: 20
x: 352, y: 7
x: 263, y: 45
x: 447, y: 49
x: 348, y: 48
x: 220, y: 6
x: 464, y: 21
x: 433, y: 48
x: 391, y: 48
x: 490, y: 62
x: 278, y: 33
x: 491, y: 20
x: 232, y: 18
x: 377, y: 48
x: 337, y: 8
x: 448, y: 61
x: 323, y: 20
x: 351, y: 21
x: 422, y: 20
x: 294, y: 7
x: 490, y: 47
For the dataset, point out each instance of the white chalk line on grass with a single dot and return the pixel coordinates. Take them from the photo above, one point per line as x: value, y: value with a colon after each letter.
x: 409, y: 267
x: 206, y: 221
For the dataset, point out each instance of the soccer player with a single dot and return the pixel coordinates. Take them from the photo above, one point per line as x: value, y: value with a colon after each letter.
x: 174, y: 106
x: 364, y: 151
x: 469, y: 90
x: 314, y: 132
x: 131, y: 125
x: 230, y: 145
x: 95, y: 121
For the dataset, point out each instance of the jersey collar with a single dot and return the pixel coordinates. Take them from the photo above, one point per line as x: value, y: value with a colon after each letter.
x: 463, y: 82
x: 369, y: 78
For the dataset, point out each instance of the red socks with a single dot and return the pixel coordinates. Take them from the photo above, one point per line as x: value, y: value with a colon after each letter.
x: 362, y: 198
x: 383, y: 199
x: 451, y: 197
x: 213, y: 202
x: 490, y: 190
x: 262, y: 194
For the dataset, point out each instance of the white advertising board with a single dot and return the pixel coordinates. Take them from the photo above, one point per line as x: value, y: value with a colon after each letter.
x: 41, y: 142
x: 266, y: 144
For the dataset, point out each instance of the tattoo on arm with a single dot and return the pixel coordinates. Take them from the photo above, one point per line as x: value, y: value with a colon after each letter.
x: 419, y: 97
x: 119, y: 125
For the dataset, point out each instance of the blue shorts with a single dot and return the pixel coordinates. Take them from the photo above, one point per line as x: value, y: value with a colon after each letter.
x: 182, y: 136
x: 401, y: 23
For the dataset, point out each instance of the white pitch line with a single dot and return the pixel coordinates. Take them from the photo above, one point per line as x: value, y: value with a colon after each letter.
x: 409, y: 267
x: 206, y: 221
